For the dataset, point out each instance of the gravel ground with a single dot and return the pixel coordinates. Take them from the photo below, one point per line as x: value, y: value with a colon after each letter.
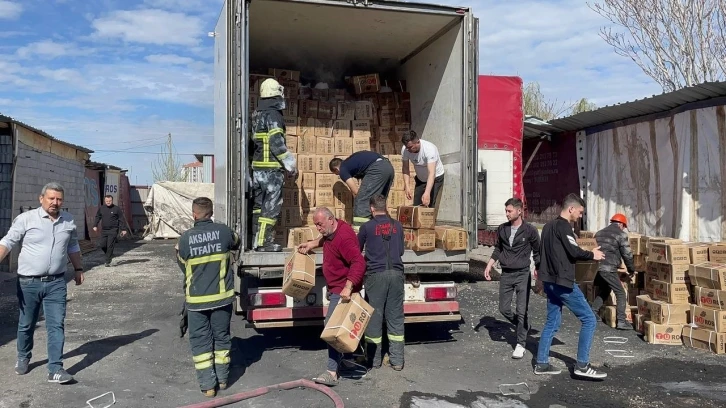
x: 122, y: 336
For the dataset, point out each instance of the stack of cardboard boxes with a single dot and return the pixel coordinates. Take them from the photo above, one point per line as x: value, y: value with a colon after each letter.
x: 325, y: 123
x: 418, y: 227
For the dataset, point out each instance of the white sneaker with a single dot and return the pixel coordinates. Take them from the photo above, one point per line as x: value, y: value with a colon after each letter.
x: 518, y: 352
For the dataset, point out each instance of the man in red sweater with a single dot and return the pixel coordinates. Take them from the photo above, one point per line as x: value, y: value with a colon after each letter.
x: 343, y: 269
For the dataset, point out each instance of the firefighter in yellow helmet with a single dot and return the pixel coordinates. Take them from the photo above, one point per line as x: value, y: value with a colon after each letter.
x: 270, y: 161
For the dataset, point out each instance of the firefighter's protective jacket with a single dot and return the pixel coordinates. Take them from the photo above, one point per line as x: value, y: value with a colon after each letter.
x: 269, y: 151
x: 204, y: 258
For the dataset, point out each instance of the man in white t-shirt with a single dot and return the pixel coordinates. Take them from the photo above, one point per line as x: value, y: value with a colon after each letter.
x: 428, y: 167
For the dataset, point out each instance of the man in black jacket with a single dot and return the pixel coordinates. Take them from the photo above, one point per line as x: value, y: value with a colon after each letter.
x: 516, y: 241
x: 615, y: 245
x: 112, y: 218
x: 557, y: 272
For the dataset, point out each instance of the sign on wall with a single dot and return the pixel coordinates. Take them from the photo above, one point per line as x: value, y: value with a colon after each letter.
x: 112, y: 184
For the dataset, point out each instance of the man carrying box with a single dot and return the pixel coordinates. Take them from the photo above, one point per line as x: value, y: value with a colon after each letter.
x: 516, y: 241
x: 376, y: 177
x: 382, y: 239
x: 429, y: 170
x: 343, y: 269
x: 616, y: 246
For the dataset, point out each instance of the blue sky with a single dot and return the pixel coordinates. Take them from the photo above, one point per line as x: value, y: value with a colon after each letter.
x: 117, y: 76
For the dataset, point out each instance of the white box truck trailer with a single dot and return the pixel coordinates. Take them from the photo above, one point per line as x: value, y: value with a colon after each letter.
x: 433, y: 48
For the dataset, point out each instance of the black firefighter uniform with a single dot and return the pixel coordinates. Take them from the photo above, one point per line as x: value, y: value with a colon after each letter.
x: 204, y: 258
x: 270, y: 158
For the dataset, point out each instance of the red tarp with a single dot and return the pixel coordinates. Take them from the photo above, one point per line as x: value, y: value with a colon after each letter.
x: 501, y: 119
x: 124, y: 199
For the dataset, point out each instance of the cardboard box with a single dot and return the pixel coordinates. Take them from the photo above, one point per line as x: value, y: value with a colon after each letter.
x: 319, y: 94
x: 397, y: 162
x: 307, y: 180
x: 387, y: 117
x: 636, y: 244
x: 299, y: 275
x: 291, y: 142
x: 662, y: 240
x: 344, y: 214
x: 366, y: 83
x: 291, y: 197
x: 386, y: 100
x: 342, y: 146
x: 291, y: 89
x: 398, y: 183
x: 284, y: 74
x: 675, y: 293
x: 301, y: 235
x: 327, y: 110
x: 669, y: 334
x: 585, y: 271
x: 416, y: 217
x: 325, y: 145
x: 709, y: 319
x: 402, y: 116
x: 710, y: 298
x: 609, y: 315
x: 345, y: 111
x: 393, y: 213
x: 401, y: 130
x: 325, y: 198
x: 666, y: 313
x: 322, y: 163
x: 323, y: 128
x: 308, y: 109
x: 347, y: 324
x: 396, y: 199
x: 386, y: 148
x: 361, y: 129
x: 305, y: 162
x: 307, y: 201
x: 403, y: 99
x: 419, y: 239
x: 698, y: 252
x: 639, y: 323
x: 336, y: 94
x: 342, y: 129
x: 649, y: 283
x: 307, y: 144
x: 588, y: 244
x: 307, y: 216
x: 717, y: 253
x: 364, y: 110
x: 673, y: 273
x: 305, y: 127
x: 704, y: 339
x: 386, y: 133
x: 451, y: 238
x: 291, y: 110
x: 668, y: 253
x: 325, y: 181
x: 586, y: 234
x: 290, y: 217
x: 342, y: 195
x: 708, y: 275
x: 361, y: 143
x: 643, y: 304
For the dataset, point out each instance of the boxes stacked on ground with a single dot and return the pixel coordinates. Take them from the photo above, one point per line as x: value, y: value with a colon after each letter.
x: 708, y: 312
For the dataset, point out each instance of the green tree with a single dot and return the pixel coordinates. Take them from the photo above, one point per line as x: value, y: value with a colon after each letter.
x: 168, y: 166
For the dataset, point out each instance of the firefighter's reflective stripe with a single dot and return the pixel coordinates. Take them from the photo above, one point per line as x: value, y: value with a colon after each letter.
x: 360, y: 220
x: 266, y: 163
x: 283, y: 156
x: 223, y: 293
x: 221, y: 357
x: 394, y: 337
x: 203, y: 361
x: 264, y: 224
x: 257, y: 211
x: 374, y: 340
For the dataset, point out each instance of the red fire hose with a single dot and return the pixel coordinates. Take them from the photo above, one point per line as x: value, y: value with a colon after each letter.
x: 222, y: 401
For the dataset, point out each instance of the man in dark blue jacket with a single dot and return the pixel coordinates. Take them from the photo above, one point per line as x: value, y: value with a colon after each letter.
x: 382, y: 239
x: 516, y: 241
x: 560, y: 251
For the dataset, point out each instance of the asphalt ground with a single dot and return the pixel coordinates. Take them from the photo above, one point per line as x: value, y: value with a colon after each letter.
x: 122, y: 337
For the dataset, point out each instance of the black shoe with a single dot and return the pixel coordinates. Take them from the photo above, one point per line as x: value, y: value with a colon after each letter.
x: 60, y: 377
x: 624, y: 326
x: 21, y: 366
x: 269, y: 248
x: 542, y: 369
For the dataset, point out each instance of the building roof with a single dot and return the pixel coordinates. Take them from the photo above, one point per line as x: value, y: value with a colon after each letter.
x: 535, y: 127
x: 641, y: 107
x: 200, y: 156
x: 102, y: 166
x: 8, y: 119
x: 195, y: 164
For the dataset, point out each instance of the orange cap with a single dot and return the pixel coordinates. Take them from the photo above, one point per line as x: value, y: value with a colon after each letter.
x: 620, y: 218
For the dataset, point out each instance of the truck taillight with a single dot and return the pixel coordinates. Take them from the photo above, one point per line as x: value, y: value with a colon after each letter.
x: 269, y: 299
x: 440, y: 293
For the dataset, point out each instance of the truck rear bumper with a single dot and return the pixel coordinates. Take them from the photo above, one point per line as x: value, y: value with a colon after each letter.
x: 418, y: 312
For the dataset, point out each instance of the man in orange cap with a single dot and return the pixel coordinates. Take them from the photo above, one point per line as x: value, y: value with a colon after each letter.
x: 613, y: 242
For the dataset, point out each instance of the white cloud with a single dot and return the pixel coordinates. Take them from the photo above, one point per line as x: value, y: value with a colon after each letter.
x: 10, y: 10
x: 171, y: 59
x: 183, y: 5
x: 149, y: 26
x: 50, y: 49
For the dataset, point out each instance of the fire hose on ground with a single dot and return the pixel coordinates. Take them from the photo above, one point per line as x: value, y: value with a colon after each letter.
x: 222, y: 401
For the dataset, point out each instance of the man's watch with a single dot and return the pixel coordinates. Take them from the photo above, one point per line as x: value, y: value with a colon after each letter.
x: 79, y: 269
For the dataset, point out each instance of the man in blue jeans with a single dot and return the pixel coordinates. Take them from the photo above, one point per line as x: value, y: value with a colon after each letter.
x: 49, y: 238
x: 559, y: 252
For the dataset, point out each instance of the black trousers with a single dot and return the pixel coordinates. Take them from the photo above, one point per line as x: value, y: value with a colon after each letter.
x: 210, y: 340
x: 385, y: 292
x: 516, y: 282
x: 607, y: 282
x: 107, y: 242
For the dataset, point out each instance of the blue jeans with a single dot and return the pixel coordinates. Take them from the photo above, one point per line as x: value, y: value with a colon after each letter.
x: 557, y: 296
x: 52, y: 295
x: 334, y: 356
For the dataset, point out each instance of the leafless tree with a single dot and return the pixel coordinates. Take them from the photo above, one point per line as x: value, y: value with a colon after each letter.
x: 168, y: 167
x: 678, y: 43
x: 583, y: 105
x: 535, y: 103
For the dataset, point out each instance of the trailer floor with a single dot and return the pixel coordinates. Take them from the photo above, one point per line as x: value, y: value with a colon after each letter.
x: 122, y: 336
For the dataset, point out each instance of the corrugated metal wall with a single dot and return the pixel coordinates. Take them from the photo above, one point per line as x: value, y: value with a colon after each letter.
x: 207, y: 169
x: 6, y: 186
